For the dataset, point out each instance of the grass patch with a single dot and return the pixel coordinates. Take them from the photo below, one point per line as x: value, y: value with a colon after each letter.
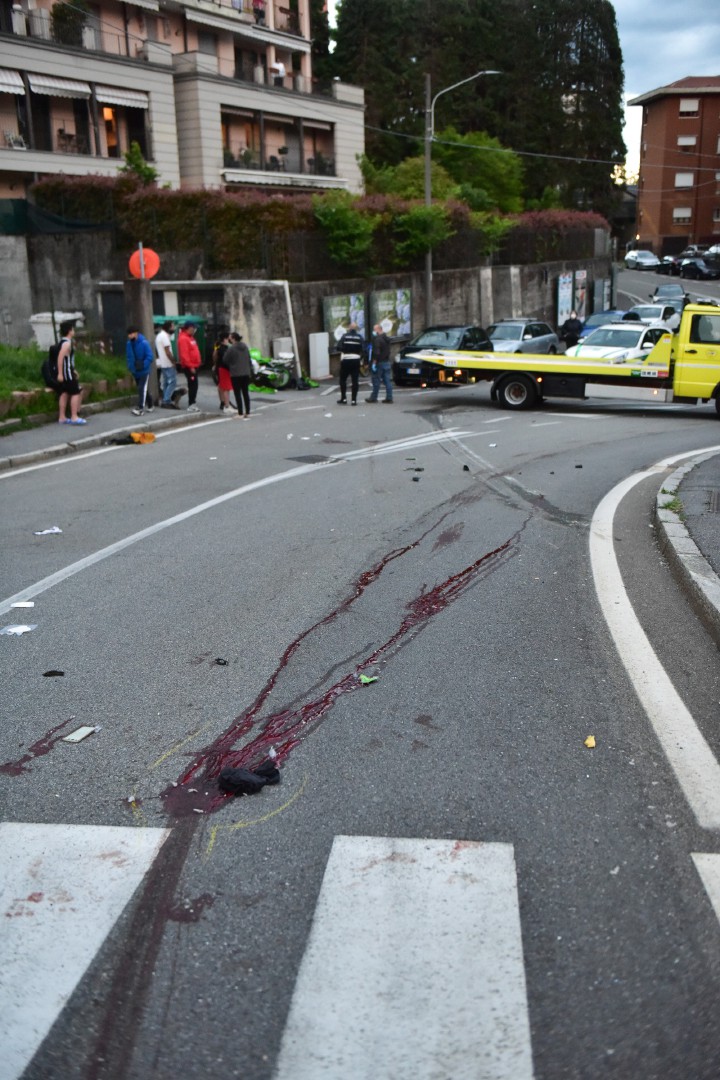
x: 20, y: 368
x: 675, y: 506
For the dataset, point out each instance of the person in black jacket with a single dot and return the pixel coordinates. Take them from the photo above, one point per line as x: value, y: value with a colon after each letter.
x: 351, y: 347
x: 381, y: 366
x: 239, y: 364
x: 570, y: 330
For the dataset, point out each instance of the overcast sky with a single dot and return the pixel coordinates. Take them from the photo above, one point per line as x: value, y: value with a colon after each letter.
x: 663, y: 41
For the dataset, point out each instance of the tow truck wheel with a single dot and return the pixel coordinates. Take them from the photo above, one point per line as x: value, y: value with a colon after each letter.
x: 517, y: 392
x: 717, y: 404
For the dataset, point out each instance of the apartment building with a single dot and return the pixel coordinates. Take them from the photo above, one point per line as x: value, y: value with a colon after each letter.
x: 679, y: 184
x: 217, y: 93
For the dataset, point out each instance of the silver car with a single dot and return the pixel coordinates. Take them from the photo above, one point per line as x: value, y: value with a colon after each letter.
x: 664, y: 313
x: 641, y: 260
x: 523, y: 336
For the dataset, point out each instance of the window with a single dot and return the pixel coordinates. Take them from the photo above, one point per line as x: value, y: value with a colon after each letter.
x: 682, y: 215
x: 689, y: 106
x: 716, y: 214
x: 686, y: 142
x: 705, y: 329
x: 684, y: 179
x: 207, y: 43
x: 717, y: 149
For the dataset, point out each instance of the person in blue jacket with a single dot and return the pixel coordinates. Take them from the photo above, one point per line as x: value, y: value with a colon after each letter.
x: 139, y: 361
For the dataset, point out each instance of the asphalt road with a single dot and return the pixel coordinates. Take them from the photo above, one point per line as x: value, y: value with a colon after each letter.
x: 637, y: 286
x: 454, y: 566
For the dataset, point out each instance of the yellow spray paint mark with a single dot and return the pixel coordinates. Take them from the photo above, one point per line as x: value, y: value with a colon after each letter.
x: 174, y: 749
x: 216, y: 829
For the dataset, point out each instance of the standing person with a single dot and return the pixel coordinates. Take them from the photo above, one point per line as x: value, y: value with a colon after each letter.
x: 68, y: 387
x: 240, y: 366
x: 139, y: 361
x: 220, y: 369
x: 280, y: 71
x: 351, y: 347
x: 381, y: 366
x: 166, y: 367
x: 570, y: 330
x: 190, y: 361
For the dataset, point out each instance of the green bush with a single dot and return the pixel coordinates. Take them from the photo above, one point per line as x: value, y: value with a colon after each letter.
x: 348, y: 231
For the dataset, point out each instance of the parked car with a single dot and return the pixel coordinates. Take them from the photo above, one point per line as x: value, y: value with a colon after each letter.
x: 641, y: 260
x: 600, y: 318
x: 652, y: 313
x: 672, y: 293
x: 620, y: 341
x: 462, y: 338
x: 712, y: 252
x: 693, y: 251
x: 699, y: 270
x: 670, y: 265
x: 523, y: 335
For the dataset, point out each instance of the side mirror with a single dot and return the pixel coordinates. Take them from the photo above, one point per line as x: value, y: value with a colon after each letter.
x: 527, y: 337
x: 647, y: 345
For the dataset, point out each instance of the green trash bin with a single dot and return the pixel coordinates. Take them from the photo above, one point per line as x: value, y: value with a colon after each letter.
x: 179, y: 321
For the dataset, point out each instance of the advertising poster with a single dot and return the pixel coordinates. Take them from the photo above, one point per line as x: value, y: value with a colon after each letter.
x: 392, y: 308
x: 340, y: 311
x: 565, y: 298
x: 580, y: 305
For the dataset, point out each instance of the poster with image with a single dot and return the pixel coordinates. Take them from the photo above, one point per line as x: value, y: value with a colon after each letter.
x: 392, y: 309
x: 565, y: 298
x: 340, y: 311
x: 580, y: 305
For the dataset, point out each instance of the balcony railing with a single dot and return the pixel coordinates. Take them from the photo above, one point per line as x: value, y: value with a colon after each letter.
x: 279, y: 163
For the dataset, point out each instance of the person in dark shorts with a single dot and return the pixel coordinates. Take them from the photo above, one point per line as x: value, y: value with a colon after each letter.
x: 67, y: 385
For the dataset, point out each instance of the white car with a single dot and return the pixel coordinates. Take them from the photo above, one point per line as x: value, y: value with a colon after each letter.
x: 641, y: 260
x: 654, y: 313
x: 620, y: 341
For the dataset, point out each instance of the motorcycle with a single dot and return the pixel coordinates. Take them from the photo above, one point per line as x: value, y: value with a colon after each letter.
x: 270, y: 375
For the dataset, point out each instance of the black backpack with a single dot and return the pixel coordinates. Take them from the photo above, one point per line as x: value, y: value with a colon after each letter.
x: 49, y: 368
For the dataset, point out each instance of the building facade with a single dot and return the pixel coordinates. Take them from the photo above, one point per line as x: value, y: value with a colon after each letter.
x: 217, y: 94
x: 679, y: 184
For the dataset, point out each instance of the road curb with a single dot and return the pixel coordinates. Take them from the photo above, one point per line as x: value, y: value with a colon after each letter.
x: 89, y: 442
x: 691, y: 569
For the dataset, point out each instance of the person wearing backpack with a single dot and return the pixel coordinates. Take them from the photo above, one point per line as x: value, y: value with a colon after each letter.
x: 67, y: 386
x: 139, y: 361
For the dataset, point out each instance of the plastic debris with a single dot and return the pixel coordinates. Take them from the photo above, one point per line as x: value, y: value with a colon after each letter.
x: 80, y: 733
x: 492, y: 444
x: 52, y: 674
x: 615, y: 870
x: 220, y: 662
x: 578, y: 466
x: 590, y: 742
x: 304, y: 438
x: 196, y: 811
x: 327, y: 415
x: 466, y: 468
x: 367, y: 679
x: 415, y: 479
x: 272, y: 752
x: 288, y: 437
x: 213, y: 459
x: 47, y: 532
x: 17, y: 629
x: 247, y: 782
x: 24, y: 603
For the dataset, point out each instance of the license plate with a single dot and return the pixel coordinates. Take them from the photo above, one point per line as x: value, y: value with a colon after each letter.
x: 413, y: 371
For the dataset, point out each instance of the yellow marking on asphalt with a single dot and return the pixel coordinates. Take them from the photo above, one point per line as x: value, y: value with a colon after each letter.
x: 177, y: 746
x: 256, y: 821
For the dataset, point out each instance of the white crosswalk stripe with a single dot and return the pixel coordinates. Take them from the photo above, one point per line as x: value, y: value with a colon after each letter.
x: 414, y: 968
x: 62, y: 889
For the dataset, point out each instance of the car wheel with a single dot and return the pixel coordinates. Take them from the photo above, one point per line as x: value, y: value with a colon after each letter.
x: 717, y: 404
x: 552, y: 351
x: 517, y: 392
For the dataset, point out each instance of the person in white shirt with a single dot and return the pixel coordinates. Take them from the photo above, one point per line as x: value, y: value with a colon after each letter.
x: 280, y: 72
x: 166, y: 367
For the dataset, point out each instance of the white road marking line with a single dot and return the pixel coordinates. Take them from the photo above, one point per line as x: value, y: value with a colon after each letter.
x: 690, y: 757
x: 308, y: 408
x: 578, y: 415
x: 708, y: 867
x: 7, y: 474
x: 414, y: 967
x: 395, y: 446
x: 547, y: 423
x: 63, y: 888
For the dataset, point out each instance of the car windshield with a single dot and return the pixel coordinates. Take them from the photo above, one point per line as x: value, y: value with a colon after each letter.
x: 595, y: 320
x: 671, y: 291
x: 506, y: 331
x: 611, y: 337
x: 439, y: 339
x: 644, y: 255
x: 649, y: 312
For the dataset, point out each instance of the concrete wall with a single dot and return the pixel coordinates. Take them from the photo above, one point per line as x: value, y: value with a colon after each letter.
x: 15, y: 292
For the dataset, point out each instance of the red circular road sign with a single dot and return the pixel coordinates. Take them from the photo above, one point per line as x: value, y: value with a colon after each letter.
x: 150, y: 263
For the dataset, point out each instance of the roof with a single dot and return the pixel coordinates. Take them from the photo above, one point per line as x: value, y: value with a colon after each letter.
x: 698, y: 84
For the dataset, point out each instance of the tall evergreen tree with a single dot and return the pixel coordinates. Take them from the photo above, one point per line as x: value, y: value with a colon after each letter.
x: 560, y: 92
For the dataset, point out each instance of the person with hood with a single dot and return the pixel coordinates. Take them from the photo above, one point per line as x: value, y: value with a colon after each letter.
x: 139, y: 361
x: 189, y: 360
x: 570, y: 330
x: 239, y: 364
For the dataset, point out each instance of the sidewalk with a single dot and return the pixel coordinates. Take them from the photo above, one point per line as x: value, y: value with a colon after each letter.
x: 689, y: 533
x: 24, y: 447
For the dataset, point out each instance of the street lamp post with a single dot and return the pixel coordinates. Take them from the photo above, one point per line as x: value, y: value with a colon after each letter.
x: 429, y: 136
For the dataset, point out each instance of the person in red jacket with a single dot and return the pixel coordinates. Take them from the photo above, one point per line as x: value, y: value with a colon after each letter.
x: 189, y: 360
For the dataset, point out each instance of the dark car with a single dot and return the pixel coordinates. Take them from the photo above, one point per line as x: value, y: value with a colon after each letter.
x: 440, y: 338
x: 699, y: 270
x: 672, y: 293
x: 670, y: 265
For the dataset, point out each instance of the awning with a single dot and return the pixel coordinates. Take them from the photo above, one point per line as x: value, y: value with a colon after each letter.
x: 48, y: 84
x: 111, y: 95
x: 263, y: 34
x: 151, y: 5
x: 320, y: 125
x: 10, y: 82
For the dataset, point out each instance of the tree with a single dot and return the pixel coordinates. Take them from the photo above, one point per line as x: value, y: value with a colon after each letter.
x: 489, y: 177
x: 136, y: 166
x: 67, y: 22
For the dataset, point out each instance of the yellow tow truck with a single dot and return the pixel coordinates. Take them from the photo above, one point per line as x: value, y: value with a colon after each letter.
x: 683, y: 366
